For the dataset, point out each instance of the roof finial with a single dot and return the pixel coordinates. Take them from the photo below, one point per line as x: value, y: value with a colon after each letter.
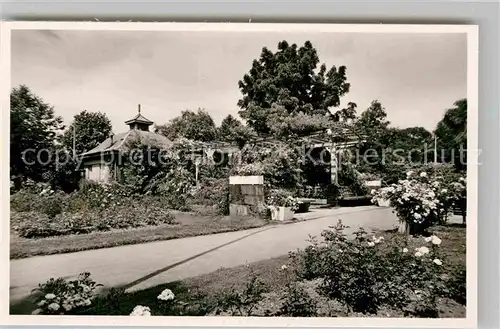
x: 139, y: 108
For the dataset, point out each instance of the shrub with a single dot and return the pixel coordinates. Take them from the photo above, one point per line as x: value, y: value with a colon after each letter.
x: 366, y: 273
x: 457, y: 285
x: 297, y: 302
x: 241, y: 303
x: 145, y: 211
x: 59, y: 295
x: 34, y: 224
x: 52, y: 206
x: 423, y: 199
x: 214, y: 192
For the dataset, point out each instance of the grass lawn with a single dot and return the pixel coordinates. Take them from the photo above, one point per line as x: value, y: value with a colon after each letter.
x: 204, y: 289
x: 188, y: 224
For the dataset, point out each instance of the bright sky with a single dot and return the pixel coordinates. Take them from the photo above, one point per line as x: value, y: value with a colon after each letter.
x: 415, y: 76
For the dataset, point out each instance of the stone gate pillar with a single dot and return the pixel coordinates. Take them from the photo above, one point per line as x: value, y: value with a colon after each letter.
x: 246, y: 195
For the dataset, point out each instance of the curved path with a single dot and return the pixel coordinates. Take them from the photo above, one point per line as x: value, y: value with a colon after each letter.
x: 144, y: 265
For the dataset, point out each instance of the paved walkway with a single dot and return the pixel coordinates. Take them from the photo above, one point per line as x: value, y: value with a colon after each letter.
x: 140, y: 266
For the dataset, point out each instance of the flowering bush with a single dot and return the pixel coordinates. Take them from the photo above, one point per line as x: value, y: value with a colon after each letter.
x: 60, y: 296
x: 423, y: 198
x: 368, y: 272
x: 140, y: 310
x: 282, y: 198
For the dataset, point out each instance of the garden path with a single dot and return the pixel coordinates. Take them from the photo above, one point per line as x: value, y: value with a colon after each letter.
x: 141, y: 266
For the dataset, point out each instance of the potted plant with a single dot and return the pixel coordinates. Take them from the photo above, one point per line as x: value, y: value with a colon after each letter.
x: 282, y: 205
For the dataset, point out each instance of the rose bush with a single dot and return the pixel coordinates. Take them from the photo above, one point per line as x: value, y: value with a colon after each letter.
x: 59, y: 296
x: 424, y: 198
x: 368, y: 273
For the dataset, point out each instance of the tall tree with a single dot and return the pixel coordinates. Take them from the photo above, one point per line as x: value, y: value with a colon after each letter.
x: 373, y: 121
x: 198, y: 126
x: 286, y: 83
x: 90, y: 129
x: 451, y: 134
x: 228, y: 128
x: 232, y: 130
x: 33, y: 127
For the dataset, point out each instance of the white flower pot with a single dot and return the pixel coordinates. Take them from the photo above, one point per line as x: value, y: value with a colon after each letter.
x: 281, y: 213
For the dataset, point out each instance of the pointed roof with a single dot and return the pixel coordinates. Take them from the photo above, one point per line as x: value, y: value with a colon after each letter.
x: 120, y: 142
x: 139, y: 118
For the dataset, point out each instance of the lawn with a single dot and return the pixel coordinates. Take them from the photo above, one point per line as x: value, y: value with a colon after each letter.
x: 201, y: 293
x: 187, y: 224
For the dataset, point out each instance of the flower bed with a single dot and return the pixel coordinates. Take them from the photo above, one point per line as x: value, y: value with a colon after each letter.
x: 133, y: 214
x: 386, y: 275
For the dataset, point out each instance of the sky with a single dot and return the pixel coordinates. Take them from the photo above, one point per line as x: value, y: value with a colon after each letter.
x: 416, y: 77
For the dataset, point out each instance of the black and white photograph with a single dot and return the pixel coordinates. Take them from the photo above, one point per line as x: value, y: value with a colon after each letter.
x: 241, y: 171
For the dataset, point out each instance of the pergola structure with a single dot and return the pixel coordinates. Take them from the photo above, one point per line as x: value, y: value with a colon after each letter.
x: 333, y: 144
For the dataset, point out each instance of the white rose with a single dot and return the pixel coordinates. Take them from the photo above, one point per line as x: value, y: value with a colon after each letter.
x: 428, y: 239
x: 140, y: 310
x: 371, y: 244
x: 166, y: 295
x: 54, y: 307
x: 435, y: 240
x: 405, y: 250
x: 418, y: 254
x: 423, y: 174
x: 437, y: 262
x: 50, y: 296
x: 417, y: 216
x: 423, y: 250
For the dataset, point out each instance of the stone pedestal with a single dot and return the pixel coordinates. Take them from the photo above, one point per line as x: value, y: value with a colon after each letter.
x: 246, y: 195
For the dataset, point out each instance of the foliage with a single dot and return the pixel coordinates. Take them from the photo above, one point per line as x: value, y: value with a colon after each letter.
x: 33, y: 126
x: 96, y: 208
x: 279, y: 163
x: 213, y: 192
x: 198, y: 126
x: 153, y: 170
x: 241, y: 303
x: 425, y: 197
x: 232, y: 130
x: 296, y: 302
x: 59, y: 296
x: 286, y: 83
x: 90, y: 129
x: 281, y: 198
x: 451, y: 134
x: 367, y: 273
x: 175, y: 188
x: 350, y: 177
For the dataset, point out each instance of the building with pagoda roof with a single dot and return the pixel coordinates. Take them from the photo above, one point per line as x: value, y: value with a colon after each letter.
x: 102, y: 163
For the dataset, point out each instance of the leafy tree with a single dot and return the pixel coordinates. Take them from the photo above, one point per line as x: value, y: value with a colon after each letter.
x: 232, y: 130
x: 286, y: 83
x: 346, y: 114
x: 33, y: 127
x: 451, y: 133
x: 198, y: 126
x: 373, y: 122
x: 91, y: 129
